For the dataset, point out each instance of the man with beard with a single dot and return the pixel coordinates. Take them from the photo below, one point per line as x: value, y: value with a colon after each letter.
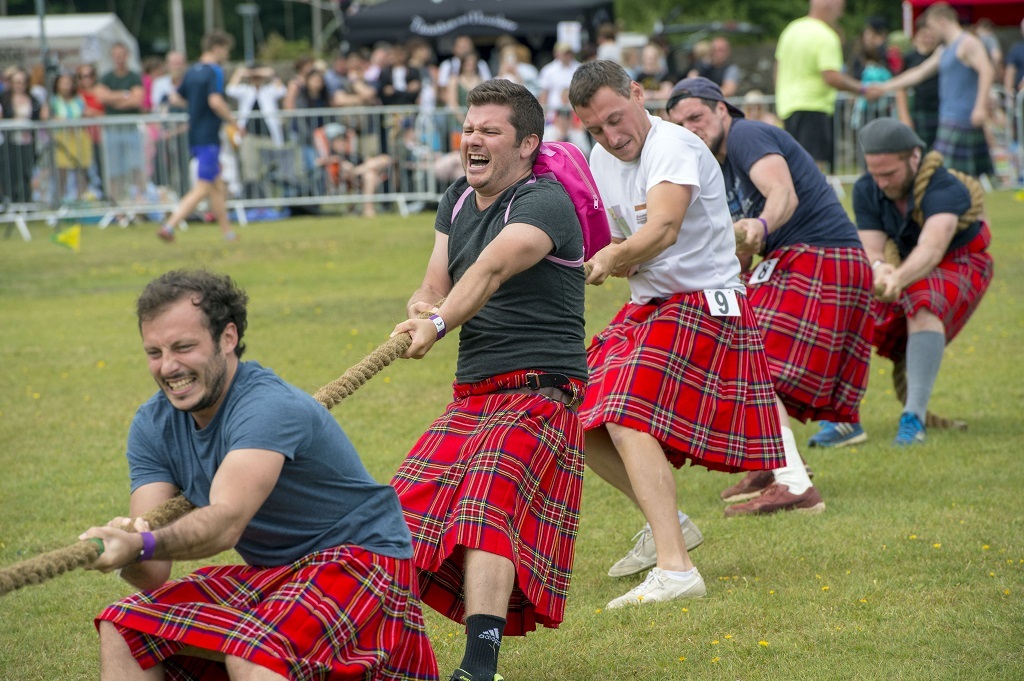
x: 811, y: 293
x: 679, y: 374
x: 491, y: 492
x: 328, y: 588
x: 926, y: 295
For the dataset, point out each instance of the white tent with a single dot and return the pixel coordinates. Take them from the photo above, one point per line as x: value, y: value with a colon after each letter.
x: 75, y: 38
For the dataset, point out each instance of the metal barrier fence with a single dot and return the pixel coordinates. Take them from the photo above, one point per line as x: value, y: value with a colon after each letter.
x: 122, y: 168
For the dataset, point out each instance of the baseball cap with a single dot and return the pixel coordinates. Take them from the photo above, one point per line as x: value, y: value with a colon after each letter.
x: 701, y: 88
x: 888, y: 136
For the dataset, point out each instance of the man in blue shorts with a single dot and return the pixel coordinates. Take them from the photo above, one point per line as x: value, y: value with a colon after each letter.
x: 203, y: 92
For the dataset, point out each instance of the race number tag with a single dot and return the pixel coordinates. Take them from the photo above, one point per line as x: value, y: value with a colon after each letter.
x: 722, y: 302
x: 763, y: 271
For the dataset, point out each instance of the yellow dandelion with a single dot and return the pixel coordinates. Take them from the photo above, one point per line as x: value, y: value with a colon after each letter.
x: 824, y: 588
x: 387, y: 379
x: 728, y: 636
x: 771, y: 592
x: 682, y: 659
x: 984, y: 547
x: 686, y: 610
x: 936, y: 546
x: 598, y: 611
x: 714, y: 660
x: 354, y: 332
x: 763, y: 644
x: 1006, y: 592
x: 715, y: 642
x: 100, y: 364
x: 991, y: 574
x: 913, y: 536
x: 863, y: 600
x: 35, y: 396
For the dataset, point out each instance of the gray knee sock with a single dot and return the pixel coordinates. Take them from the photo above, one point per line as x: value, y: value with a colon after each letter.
x: 924, y: 355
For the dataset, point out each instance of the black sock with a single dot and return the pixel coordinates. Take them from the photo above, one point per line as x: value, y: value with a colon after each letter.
x: 483, y: 641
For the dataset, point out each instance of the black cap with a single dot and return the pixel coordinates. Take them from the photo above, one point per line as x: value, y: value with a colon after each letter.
x: 702, y: 88
x: 888, y: 136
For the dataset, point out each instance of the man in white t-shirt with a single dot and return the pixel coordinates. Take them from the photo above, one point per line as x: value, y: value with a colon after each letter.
x: 555, y: 78
x: 680, y: 373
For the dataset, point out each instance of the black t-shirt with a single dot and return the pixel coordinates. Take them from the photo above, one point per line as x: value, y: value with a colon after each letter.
x: 945, y: 194
x: 535, y: 319
x: 926, y: 93
x: 819, y: 219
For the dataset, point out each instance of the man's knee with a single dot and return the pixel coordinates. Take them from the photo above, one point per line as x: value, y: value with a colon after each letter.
x: 924, y: 320
x: 240, y: 669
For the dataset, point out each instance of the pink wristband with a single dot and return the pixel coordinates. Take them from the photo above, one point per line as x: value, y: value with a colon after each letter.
x: 148, y: 547
x: 764, y: 223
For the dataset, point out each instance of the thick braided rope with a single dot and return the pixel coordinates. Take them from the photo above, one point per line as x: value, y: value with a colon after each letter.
x: 48, y: 565
x: 350, y: 381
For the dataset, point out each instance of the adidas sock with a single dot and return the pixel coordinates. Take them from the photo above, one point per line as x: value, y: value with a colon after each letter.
x: 483, y: 641
x: 793, y: 475
x: 680, y: 574
x: 924, y: 355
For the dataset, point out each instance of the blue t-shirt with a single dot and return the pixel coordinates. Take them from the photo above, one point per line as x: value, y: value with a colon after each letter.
x: 819, y: 220
x: 945, y: 194
x: 324, y: 496
x: 1016, y: 57
x: 201, y: 81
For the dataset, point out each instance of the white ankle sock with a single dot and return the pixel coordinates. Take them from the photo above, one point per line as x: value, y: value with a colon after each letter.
x: 793, y: 475
x: 677, y: 574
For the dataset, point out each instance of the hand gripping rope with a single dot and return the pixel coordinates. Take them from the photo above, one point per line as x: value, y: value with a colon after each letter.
x: 48, y: 565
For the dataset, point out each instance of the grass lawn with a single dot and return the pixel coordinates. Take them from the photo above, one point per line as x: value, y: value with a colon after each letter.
x: 915, y: 571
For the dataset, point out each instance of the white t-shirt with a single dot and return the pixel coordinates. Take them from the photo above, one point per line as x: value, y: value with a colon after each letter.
x: 704, y: 255
x: 555, y: 79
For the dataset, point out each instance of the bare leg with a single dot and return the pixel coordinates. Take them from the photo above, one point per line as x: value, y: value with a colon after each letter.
x: 189, y: 202
x: 654, y: 484
x: 489, y: 581
x: 219, y: 206
x: 117, y: 662
x: 240, y: 669
x: 604, y: 459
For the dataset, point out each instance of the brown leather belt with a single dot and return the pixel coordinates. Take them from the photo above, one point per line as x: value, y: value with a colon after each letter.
x: 551, y: 392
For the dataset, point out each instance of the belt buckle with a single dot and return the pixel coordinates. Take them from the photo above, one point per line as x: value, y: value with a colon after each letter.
x: 533, y: 381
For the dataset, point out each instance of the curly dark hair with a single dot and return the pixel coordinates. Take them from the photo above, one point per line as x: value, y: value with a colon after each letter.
x: 220, y: 299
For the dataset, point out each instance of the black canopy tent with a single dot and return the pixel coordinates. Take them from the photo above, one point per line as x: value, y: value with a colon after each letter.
x: 532, y: 21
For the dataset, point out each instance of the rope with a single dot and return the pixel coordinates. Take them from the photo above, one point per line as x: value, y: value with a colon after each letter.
x: 48, y: 565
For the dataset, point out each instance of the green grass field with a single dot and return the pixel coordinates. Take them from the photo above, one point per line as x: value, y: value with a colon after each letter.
x: 915, y: 571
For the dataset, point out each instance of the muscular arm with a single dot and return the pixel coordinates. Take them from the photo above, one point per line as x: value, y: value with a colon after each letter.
x: 770, y: 174
x: 242, y: 483
x: 517, y: 247
x: 972, y: 52
x: 936, y: 235
x: 911, y: 77
x: 667, y: 204
x: 436, y: 282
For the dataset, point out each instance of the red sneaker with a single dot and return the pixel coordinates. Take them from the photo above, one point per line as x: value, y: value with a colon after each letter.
x: 752, y: 484
x: 779, y: 498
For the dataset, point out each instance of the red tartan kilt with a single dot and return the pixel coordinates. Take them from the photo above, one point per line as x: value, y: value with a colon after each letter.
x: 502, y: 473
x: 342, y: 613
x: 815, y: 316
x: 699, y: 384
x: 951, y: 292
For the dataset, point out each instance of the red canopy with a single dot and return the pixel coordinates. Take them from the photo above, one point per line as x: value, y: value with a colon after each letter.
x: 1001, y: 12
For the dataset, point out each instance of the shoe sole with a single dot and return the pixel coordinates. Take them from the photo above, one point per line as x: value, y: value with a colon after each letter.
x: 744, y: 496
x: 855, y: 440
x: 817, y: 509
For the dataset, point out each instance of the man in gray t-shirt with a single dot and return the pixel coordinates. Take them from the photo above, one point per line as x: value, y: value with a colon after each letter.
x: 491, y: 492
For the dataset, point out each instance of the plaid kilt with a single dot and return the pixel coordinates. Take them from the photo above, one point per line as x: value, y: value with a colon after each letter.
x: 926, y: 125
x: 951, y: 292
x: 340, y: 613
x: 815, y: 316
x: 964, y: 147
x: 699, y: 384
x: 502, y: 473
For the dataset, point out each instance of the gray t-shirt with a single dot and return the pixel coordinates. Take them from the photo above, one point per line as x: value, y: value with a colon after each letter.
x: 535, y: 319
x: 324, y: 496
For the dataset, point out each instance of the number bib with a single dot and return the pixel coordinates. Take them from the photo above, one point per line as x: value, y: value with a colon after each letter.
x: 722, y: 302
x: 763, y: 271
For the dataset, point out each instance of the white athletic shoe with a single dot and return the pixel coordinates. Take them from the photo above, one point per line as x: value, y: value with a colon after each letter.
x: 643, y: 555
x: 660, y: 587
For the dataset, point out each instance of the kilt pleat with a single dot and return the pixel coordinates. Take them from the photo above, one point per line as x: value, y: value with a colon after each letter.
x: 502, y: 473
x: 342, y: 613
x: 952, y: 291
x: 815, y: 317
x: 964, y: 147
x: 698, y: 384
